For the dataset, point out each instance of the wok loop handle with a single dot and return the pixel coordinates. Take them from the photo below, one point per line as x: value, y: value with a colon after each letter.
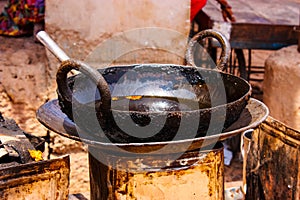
x: 225, y: 45
x: 66, y: 93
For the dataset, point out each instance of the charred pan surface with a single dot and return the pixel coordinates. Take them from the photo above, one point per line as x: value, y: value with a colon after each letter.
x: 178, y: 82
x: 52, y: 117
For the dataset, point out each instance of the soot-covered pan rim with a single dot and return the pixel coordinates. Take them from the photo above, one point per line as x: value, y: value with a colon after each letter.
x: 51, y: 116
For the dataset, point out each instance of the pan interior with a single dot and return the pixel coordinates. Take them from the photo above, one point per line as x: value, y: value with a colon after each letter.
x: 158, y: 88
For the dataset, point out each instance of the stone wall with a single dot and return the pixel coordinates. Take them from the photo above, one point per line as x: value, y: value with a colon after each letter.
x: 110, y: 30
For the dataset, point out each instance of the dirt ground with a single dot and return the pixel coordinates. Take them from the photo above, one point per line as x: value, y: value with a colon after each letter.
x: 24, y: 82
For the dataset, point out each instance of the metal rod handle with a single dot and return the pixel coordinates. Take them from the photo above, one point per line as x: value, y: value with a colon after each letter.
x: 45, y: 39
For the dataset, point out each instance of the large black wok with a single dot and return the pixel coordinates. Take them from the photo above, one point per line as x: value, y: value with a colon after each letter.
x: 152, y: 102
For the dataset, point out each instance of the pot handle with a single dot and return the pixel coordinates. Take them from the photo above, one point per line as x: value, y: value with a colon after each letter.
x: 66, y: 93
x: 66, y: 66
x: 225, y: 45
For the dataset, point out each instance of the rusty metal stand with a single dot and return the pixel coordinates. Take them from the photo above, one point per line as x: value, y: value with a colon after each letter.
x: 22, y: 175
x: 198, y: 174
x: 273, y: 165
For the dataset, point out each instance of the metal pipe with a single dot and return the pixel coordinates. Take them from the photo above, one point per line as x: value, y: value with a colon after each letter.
x: 46, y: 40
